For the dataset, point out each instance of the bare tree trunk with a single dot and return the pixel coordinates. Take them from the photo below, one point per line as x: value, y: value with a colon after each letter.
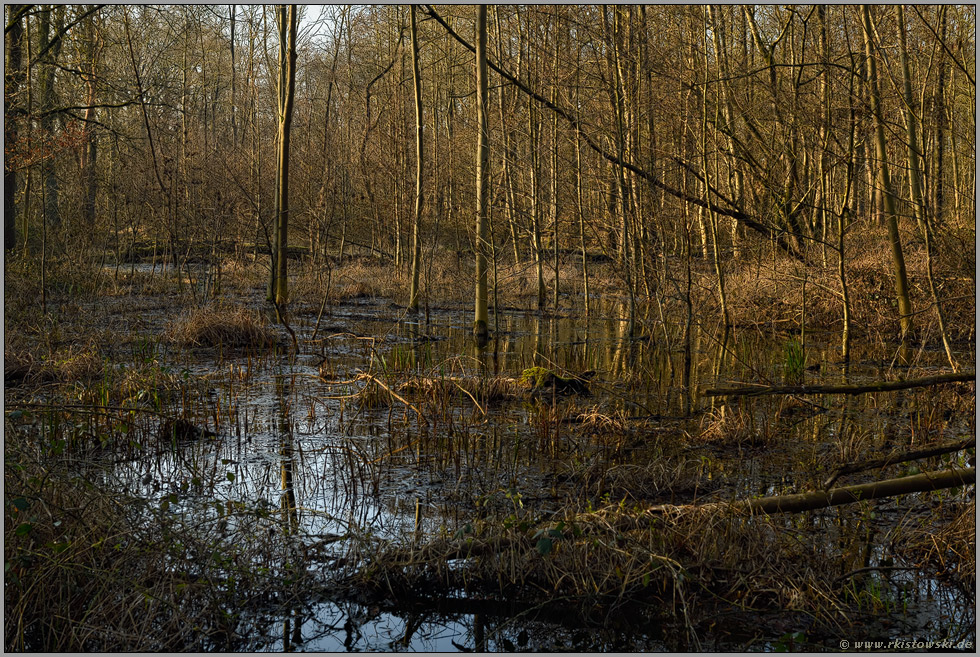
x: 884, y: 182
x: 89, y: 148
x: 580, y: 206
x: 480, y: 325
x: 534, y: 129
x: 286, y: 20
x: 554, y: 162
x: 49, y: 176
x: 915, y: 185
x: 12, y: 111
x: 413, y: 295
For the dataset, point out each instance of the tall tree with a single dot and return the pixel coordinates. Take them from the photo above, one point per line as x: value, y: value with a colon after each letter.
x: 286, y: 23
x: 50, y: 42
x: 89, y: 147
x: 413, y: 295
x: 480, y: 325
x: 915, y: 184
x: 884, y: 180
x: 12, y: 111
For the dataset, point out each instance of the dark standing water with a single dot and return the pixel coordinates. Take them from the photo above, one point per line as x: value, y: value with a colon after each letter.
x: 282, y: 430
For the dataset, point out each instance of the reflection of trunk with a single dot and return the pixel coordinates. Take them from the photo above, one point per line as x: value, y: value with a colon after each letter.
x: 884, y: 181
x: 290, y: 517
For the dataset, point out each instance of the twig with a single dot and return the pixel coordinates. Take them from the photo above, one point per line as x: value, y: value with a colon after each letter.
x: 391, y: 392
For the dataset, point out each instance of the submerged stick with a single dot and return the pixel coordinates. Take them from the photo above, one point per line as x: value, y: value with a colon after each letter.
x: 880, y: 386
x: 394, y: 394
x: 851, y: 468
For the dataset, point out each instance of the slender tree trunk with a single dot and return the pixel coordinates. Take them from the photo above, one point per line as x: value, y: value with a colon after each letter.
x: 13, y: 78
x: 884, y: 182
x: 286, y: 19
x: 580, y: 206
x: 49, y: 175
x: 480, y: 324
x: 413, y: 296
x: 942, y: 128
x: 915, y: 185
x: 534, y: 129
x: 554, y: 163
x: 844, y: 214
x: 89, y: 148
x: 712, y: 219
x: 507, y: 152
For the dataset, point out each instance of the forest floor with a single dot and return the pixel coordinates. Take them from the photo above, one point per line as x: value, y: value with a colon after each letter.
x: 180, y: 474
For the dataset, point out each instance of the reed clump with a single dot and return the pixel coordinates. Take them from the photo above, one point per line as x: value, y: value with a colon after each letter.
x: 213, y: 326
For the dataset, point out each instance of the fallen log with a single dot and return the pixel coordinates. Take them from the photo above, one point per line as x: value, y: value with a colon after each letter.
x: 821, y: 499
x: 847, y: 389
x: 859, y: 466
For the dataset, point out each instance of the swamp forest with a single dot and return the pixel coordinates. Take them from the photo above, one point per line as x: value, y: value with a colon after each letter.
x: 489, y: 328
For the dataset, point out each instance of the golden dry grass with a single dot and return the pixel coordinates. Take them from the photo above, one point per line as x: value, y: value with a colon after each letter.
x: 212, y: 326
x: 76, y: 363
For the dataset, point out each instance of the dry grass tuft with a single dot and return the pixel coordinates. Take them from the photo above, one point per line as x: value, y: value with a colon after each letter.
x: 729, y: 425
x: 484, y: 389
x: 213, y: 326
x: 67, y: 366
x: 593, y: 421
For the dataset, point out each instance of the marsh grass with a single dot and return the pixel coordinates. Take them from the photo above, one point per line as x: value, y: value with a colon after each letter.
x: 71, y: 364
x: 950, y: 547
x: 218, y: 325
x: 617, y: 553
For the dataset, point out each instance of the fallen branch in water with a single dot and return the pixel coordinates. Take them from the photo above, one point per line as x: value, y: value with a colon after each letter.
x: 858, y: 389
x: 821, y: 499
x: 859, y: 466
x: 368, y: 377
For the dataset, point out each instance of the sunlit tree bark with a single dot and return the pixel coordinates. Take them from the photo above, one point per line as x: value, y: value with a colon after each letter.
x: 480, y: 324
x: 884, y: 181
x: 413, y: 295
x: 286, y: 23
